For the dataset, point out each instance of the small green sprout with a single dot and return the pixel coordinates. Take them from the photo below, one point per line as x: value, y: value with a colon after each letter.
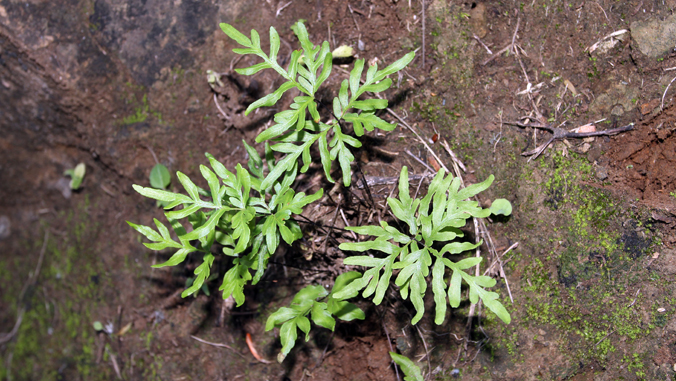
x: 76, y: 175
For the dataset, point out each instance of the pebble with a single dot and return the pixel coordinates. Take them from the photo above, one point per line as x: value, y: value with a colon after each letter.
x: 601, y: 173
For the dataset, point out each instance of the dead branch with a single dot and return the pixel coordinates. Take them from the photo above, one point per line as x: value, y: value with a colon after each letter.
x: 560, y: 134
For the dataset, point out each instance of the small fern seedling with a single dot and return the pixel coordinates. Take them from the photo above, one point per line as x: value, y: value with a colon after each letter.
x: 305, y: 302
x: 249, y: 228
x: 436, y: 218
x: 292, y: 133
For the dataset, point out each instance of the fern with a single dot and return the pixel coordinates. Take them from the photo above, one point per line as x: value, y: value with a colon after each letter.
x: 411, y: 371
x: 414, y: 253
x: 292, y: 132
x: 249, y: 212
x: 306, y: 302
x: 249, y: 228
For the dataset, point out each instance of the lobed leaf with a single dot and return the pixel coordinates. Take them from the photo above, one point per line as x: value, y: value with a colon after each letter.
x: 395, y: 67
x: 439, y: 290
x: 234, y: 281
x: 235, y: 34
x: 355, y: 76
x: 272, y: 98
x: 411, y: 371
x: 162, y: 195
x: 206, y: 228
x: 201, y: 274
x: 274, y: 44
x: 251, y: 70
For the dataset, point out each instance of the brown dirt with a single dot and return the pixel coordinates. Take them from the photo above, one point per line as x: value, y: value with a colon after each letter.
x: 643, y: 160
x: 121, y: 86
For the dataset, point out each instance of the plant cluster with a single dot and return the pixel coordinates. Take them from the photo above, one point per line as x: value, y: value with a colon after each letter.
x: 249, y: 212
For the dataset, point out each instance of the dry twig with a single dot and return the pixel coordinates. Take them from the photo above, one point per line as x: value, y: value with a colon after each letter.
x: 423, y: 34
x: 427, y: 353
x: 420, y: 161
x: 559, y: 134
x: 217, y: 345
x: 665, y: 93
x: 511, y: 47
x: 389, y: 342
x: 279, y: 10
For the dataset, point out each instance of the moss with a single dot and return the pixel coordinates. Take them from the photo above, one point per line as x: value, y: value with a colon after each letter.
x: 56, y: 339
x: 581, y: 288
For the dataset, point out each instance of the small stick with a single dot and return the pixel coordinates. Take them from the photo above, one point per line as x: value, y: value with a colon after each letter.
x: 423, y: 34
x: 560, y: 133
x: 353, y: 18
x: 420, y: 161
x: 279, y: 10
x: 604, y: 12
x: 498, y: 139
x: 375, y: 180
x: 347, y: 223
x: 457, y: 161
x: 418, y: 188
x: 219, y: 107
x: 605, y: 337
x: 482, y: 43
x: 501, y: 255
x: 152, y: 152
x: 389, y: 341
x: 636, y: 296
x: 115, y: 366
x: 402, y: 121
x: 427, y: 353
x: 217, y: 345
x: 108, y: 191
x: 333, y: 223
x: 472, y: 308
x: 510, y: 47
x: 236, y: 60
x: 494, y: 56
x: 665, y: 93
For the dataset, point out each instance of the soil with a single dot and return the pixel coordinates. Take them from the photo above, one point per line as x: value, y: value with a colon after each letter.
x: 121, y: 86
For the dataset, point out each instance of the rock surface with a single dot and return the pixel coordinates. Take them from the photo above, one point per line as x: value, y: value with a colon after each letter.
x: 655, y: 37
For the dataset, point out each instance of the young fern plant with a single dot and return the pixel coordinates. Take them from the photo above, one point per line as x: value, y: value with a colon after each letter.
x: 292, y: 133
x: 433, y: 220
x: 306, y: 302
x: 249, y: 212
x: 248, y: 227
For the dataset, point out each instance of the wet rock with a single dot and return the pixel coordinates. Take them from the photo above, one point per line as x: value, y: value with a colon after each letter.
x: 655, y: 38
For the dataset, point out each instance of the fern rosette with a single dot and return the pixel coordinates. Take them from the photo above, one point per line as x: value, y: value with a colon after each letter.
x: 433, y: 220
